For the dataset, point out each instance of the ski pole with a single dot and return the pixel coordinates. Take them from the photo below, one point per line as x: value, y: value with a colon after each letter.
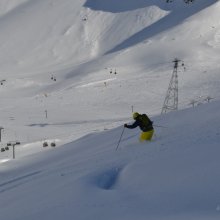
x: 159, y: 126
x: 120, y: 138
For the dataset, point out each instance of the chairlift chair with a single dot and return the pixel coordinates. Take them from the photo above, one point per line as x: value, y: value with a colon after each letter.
x: 45, y: 144
x: 53, y: 144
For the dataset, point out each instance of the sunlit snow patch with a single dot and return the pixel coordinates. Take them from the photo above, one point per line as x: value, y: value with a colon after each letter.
x: 4, y: 160
x: 95, y: 83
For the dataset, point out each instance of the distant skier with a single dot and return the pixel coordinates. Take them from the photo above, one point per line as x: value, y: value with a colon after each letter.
x: 145, y: 124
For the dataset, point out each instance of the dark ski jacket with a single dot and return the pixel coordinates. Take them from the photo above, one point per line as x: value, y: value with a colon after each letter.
x: 144, y: 124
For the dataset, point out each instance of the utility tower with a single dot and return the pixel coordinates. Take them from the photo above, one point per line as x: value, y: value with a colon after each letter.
x: 171, y: 99
x: 1, y: 128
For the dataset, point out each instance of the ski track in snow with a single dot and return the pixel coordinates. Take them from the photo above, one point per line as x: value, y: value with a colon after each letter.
x: 11, y: 184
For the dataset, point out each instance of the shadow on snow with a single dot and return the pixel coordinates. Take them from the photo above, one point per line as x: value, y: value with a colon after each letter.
x: 174, y: 18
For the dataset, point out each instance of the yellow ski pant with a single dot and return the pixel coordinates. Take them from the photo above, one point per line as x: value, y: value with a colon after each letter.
x: 146, y: 136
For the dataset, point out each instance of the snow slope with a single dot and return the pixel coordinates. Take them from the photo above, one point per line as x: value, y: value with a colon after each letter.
x: 176, y: 176
x: 72, y: 72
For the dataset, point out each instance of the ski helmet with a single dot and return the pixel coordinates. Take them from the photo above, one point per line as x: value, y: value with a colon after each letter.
x: 135, y: 115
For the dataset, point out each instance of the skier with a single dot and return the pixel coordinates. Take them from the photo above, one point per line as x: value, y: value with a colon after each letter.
x: 145, y: 124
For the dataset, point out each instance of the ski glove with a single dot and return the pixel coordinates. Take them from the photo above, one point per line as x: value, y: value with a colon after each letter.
x: 125, y: 125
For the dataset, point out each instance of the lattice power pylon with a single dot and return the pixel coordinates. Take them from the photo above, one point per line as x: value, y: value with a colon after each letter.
x: 171, y: 99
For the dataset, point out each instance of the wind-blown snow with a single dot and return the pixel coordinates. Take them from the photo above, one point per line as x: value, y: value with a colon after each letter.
x: 72, y: 72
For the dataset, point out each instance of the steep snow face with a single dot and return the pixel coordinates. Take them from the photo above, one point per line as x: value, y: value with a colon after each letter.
x: 37, y: 34
x: 51, y: 35
x: 176, y: 176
